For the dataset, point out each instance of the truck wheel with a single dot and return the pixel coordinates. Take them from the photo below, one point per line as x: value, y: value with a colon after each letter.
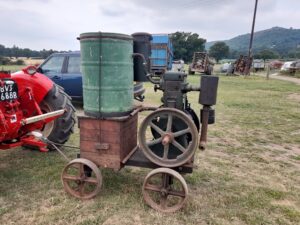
x: 211, y: 70
x: 208, y: 71
x: 58, y: 130
x: 190, y: 71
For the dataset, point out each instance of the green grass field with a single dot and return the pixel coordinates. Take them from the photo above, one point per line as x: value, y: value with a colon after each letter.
x: 248, y: 175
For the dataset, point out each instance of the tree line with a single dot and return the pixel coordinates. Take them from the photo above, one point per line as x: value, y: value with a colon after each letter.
x: 17, y: 52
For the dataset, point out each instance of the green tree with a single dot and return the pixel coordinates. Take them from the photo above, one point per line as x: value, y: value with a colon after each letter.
x: 19, y: 62
x: 15, y: 51
x: 2, y: 50
x: 234, y: 54
x: 267, y: 54
x: 294, y: 54
x: 185, y: 44
x: 219, y: 50
x: 26, y: 52
x: 4, y: 60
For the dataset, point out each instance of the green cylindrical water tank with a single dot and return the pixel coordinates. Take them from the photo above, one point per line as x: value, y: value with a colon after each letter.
x: 107, y: 68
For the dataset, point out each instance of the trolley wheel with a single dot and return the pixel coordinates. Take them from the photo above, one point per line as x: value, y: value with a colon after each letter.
x: 165, y: 190
x: 167, y: 148
x: 82, y: 179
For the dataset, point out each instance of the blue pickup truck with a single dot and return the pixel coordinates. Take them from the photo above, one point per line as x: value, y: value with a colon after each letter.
x: 64, y: 70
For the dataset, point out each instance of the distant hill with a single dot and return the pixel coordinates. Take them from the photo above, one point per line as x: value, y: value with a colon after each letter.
x: 281, y: 40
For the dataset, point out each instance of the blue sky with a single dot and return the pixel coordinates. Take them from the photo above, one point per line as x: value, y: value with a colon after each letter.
x: 55, y: 24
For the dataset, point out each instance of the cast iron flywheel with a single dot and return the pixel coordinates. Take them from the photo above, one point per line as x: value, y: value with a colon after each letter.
x: 168, y: 137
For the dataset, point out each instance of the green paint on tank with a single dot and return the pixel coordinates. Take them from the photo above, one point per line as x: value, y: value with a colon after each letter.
x: 107, y: 68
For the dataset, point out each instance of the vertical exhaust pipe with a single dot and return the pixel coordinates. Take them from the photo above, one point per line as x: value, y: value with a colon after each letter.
x: 204, y: 127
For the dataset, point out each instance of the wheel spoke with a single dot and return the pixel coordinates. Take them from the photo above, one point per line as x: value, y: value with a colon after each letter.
x: 154, y: 142
x: 182, y: 132
x: 151, y: 187
x: 91, y: 180
x: 177, y: 193
x: 163, y: 201
x: 170, y: 122
x: 81, y: 188
x: 166, y: 151
x: 157, y: 129
x: 81, y: 170
x: 179, y: 146
x: 165, y: 181
x: 69, y: 177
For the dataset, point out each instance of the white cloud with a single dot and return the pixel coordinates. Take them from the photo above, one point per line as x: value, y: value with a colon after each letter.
x: 55, y: 24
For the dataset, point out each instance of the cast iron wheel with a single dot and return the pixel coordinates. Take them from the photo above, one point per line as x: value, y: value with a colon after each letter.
x: 165, y: 190
x: 82, y: 179
x: 58, y: 130
x: 165, y: 149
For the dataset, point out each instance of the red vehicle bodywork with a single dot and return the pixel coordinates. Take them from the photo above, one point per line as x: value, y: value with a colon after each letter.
x: 32, y: 89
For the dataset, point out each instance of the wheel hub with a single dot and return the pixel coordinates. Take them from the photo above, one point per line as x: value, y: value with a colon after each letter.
x: 164, y: 192
x: 167, y: 138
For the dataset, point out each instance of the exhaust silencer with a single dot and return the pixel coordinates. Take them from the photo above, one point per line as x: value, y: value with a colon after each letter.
x: 207, y: 98
x: 209, y: 87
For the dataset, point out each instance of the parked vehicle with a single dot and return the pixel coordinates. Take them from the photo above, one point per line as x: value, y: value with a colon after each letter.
x: 286, y: 66
x: 178, y: 66
x: 242, y: 65
x: 224, y: 67
x: 201, y: 63
x: 258, y: 64
x: 161, y: 53
x: 31, y: 106
x: 295, y: 66
x: 64, y: 70
x: 276, y: 64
